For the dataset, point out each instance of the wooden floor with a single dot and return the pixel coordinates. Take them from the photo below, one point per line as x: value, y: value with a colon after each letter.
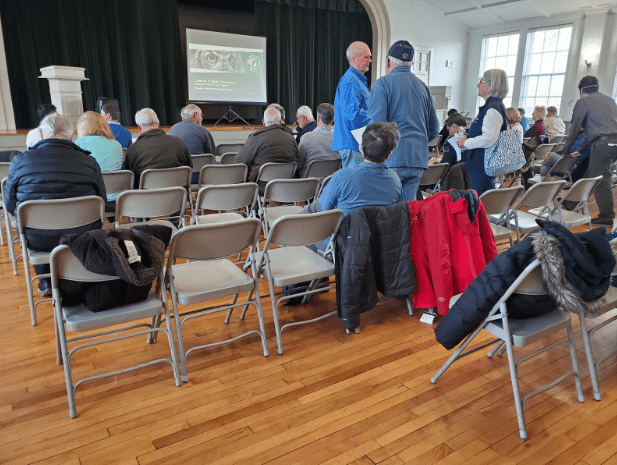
x: 332, y: 398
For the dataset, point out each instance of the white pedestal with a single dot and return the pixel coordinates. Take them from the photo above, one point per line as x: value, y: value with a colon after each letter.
x: 65, y: 89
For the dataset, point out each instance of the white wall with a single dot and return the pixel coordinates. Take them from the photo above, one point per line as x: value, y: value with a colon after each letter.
x: 426, y: 27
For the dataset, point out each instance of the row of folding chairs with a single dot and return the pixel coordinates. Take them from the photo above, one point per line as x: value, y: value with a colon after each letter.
x: 198, y: 270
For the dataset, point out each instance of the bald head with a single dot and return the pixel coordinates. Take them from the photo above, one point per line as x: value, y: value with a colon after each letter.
x: 359, y: 56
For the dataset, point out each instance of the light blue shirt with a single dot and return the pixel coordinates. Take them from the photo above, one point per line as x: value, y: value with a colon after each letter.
x: 107, y: 153
x: 350, y: 109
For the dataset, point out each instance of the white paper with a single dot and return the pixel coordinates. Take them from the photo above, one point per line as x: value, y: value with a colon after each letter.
x: 357, y: 134
x: 427, y: 318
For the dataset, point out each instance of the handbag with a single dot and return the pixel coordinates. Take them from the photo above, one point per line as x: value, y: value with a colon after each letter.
x: 504, y: 156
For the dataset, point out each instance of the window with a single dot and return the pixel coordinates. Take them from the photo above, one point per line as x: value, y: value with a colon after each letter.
x: 544, y: 69
x: 421, y: 64
x: 500, y: 52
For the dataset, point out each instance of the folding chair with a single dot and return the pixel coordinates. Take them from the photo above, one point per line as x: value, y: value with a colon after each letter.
x: 432, y: 176
x: 433, y: 145
x: 223, y: 148
x: 4, y: 172
x: 323, y: 184
x: 78, y: 318
x: 520, y: 333
x: 271, y: 170
x: 52, y: 215
x: 115, y: 183
x: 579, y: 213
x: 10, y: 224
x: 497, y: 204
x: 539, y: 154
x: 559, y: 147
x: 294, y: 263
x: 164, y: 204
x: 562, y: 169
x: 228, y: 158
x: 207, y: 275
x: 558, y: 139
x: 228, y: 197
x: 199, y: 161
x: 321, y: 169
x: 165, y: 177
x: 539, y: 197
x: 291, y: 193
x: 222, y: 174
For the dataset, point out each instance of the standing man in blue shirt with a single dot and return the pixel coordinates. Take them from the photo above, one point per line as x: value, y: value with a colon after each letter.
x: 351, y: 104
x: 402, y: 98
x: 111, y: 114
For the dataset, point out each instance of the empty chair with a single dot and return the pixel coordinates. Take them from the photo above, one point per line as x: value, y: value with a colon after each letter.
x: 228, y: 197
x: 223, y: 148
x: 561, y: 169
x: 58, y: 214
x: 497, y: 204
x: 167, y: 203
x: 199, y: 161
x: 222, y: 174
x: 228, y: 158
x: 269, y: 171
x: 540, y: 197
x: 293, y: 262
x: 321, y: 169
x: 165, y: 177
x: 207, y: 275
x: 115, y: 183
x: 78, y: 318
x: 520, y: 333
x: 289, y: 192
x: 432, y: 176
x: 540, y: 153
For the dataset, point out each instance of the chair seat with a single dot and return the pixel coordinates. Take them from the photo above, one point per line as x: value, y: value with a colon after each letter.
x: 274, y: 213
x: 500, y: 232
x: 570, y: 219
x: 290, y: 265
x: 80, y: 318
x: 526, y: 222
x: 219, y: 218
x: 530, y: 330
x: 192, y: 280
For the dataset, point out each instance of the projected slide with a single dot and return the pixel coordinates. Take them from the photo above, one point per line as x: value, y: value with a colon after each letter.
x: 226, y: 68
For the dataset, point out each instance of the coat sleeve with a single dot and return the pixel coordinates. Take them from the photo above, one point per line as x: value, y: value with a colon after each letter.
x: 11, y: 185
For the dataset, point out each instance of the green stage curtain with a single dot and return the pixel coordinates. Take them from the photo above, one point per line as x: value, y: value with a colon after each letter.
x: 307, y: 40
x: 130, y: 50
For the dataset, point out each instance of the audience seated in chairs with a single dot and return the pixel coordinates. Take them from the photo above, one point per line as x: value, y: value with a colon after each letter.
x: 317, y: 144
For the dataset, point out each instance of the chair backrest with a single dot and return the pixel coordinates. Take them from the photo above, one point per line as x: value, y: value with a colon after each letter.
x: 151, y: 203
x: 228, y: 158
x: 324, y: 183
x: 559, y: 147
x: 580, y: 190
x: 434, y: 174
x: 562, y: 168
x: 226, y: 196
x: 223, y: 148
x: 291, y: 190
x: 222, y: 174
x: 213, y: 241
x: 202, y: 159
x: 118, y: 181
x: 497, y: 201
x: 540, y: 194
x: 558, y: 139
x: 543, y: 150
x: 295, y: 230
x: 434, y: 142
x: 321, y: 169
x: 65, y: 265
x: 4, y: 169
x: 165, y: 177
x: 60, y: 213
x: 271, y: 170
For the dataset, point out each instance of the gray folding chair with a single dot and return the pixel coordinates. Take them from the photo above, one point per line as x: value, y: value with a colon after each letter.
x: 78, y: 318
x: 199, y: 161
x: 52, y: 215
x: 520, y: 333
x: 559, y: 147
x: 224, y: 148
x: 540, y: 152
x: 433, y: 146
x: 270, y: 171
x: 228, y: 158
x: 558, y: 139
x: 228, y: 198
x: 497, y: 204
x: 288, y: 196
x: 222, y: 174
x: 432, y: 176
x: 165, y: 177
x: 165, y: 204
x: 115, y: 183
x: 539, y: 198
x: 10, y: 224
x: 321, y: 169
x: 323, y: 184
x: 562, y: 169
x: 208, y: 275
x: 293, y: 263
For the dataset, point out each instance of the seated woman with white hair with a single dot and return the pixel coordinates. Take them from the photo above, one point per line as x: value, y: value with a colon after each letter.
x: 485, y: 129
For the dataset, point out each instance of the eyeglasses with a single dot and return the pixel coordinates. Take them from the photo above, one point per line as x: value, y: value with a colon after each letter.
x: 482, y: 81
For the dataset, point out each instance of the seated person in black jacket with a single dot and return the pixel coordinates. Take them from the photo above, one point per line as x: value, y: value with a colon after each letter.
x: 54, y: 168
x: 456, y: 126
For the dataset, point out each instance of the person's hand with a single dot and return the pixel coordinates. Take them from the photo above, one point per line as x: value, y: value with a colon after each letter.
x: 461, y: 142
x: 575, y: 154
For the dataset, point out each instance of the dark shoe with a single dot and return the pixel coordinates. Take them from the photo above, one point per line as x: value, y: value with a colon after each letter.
x: 602, y: 221
x: 44, y: 288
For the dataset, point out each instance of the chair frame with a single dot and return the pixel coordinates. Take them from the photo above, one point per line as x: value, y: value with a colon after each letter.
x: 228, y: 158
x: 501, y: 207
x: 322, y: 168
x: 434, y: 173
x: 137, y: 211
x: 222, y: 174
x: 199, y: 161
x: 544, y: 211
x: 10, y: 222
x: 225, y: 197
x: 227, y: 147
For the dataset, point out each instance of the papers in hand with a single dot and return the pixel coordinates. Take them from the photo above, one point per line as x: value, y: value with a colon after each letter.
x: 357, y: 134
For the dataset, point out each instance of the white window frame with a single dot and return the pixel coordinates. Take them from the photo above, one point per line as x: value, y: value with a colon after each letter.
x: 484, y: 59
x: 423, y: 72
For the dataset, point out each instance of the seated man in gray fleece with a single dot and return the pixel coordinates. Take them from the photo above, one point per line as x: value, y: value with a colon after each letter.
x: 317, y: 144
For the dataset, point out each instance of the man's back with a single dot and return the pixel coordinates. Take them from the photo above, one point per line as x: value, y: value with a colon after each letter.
x: 315, y: 145
x: 196, y: 138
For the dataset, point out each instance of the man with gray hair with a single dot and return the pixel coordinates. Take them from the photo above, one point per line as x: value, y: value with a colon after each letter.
x: 53, y: 168
x: 317, y: 144
x: 282, y: 112
x: 351, y: 104
x: 153, y: 148
x: 400, y: 97
x: 270, y: 144
x: 306, y: 121
x: 196, y: 138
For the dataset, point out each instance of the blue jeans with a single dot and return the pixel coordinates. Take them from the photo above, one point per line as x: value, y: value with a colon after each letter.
x: 350, y: 158
x: 410, y: 179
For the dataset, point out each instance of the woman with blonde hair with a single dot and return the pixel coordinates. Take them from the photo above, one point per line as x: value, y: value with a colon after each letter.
x: 514, y: 118
x: 95, y: 136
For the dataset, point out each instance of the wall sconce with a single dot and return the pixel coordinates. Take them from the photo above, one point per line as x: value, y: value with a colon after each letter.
x: 590, y: 53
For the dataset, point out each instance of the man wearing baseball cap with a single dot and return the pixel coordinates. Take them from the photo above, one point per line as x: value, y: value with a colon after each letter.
x: 402, y: 98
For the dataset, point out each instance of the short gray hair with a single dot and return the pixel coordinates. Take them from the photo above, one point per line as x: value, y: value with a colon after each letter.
x: 497, y: 79
x: 280, y: 109
x: 146, y: 117
x: 272, y: 116
x: 305, y: 110
x: 189, y: 110
x: 351, y: 53
x: 56, y: 125
x: 396, y: 61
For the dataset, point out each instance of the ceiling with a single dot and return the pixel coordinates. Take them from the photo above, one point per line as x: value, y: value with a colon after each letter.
x: 483, y: 13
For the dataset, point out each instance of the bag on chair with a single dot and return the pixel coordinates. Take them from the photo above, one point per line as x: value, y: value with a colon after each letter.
x: 504, y: 156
